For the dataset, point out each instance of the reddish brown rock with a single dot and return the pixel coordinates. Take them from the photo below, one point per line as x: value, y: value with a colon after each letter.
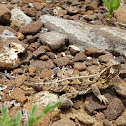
x: 5, y: 15
x: 31, y: 29
x: 51, y: 55
x: 120, y: 14
x: 32, y: 47
x: 40, y: 65
x: 32, y: 70
x: 61, y: 61
x: 64, y: 122
x: 38, y: 6
x: 44, y: 57
x: 90, y: 17
x: 18, y: 71
x: 94, y: 52
x: 5, y: 98
x: 29, y: 11
x: 19, y: 95
x: 79, y: 66
x: 19, y: 80
x: 71, y: 9
x: 114, y: 109
x: 91, y: 7
x: 59, y: 55
x: 45, y: 73
x: 53, y: 39
x: 19, y: 35
x: 59, y: 12
x: 76, y: 17
x: 9, y: 6
x: 106, y: 58
x: 121, y: 120
x: 39, y: 52
x: 119, y: 86
x: 89, y: 12
x: 80, y: 57
x: 46, y: 48
x: 92, y: 103
x: 30, y: 39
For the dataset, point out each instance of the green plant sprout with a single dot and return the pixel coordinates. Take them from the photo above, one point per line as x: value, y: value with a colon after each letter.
x: 32, y: 115
x: 8, y: 120
x: 112, y: 5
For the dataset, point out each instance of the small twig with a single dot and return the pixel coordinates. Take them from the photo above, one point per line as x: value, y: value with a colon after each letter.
x: 69, y: 78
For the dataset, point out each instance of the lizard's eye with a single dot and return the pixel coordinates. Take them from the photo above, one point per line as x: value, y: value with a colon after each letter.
x: 91, y: 79
x: 117, y: 66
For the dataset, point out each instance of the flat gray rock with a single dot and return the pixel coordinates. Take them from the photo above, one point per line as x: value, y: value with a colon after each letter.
x: 53, y: 39
x: 102, y: 37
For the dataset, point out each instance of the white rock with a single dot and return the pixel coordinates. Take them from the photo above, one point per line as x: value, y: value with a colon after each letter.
x: 43, y: 98
x: 17, y: 14
x: 75, y: 47
x: 11, y: 53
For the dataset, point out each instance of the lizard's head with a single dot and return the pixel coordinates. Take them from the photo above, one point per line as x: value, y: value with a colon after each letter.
x: 114, y: 68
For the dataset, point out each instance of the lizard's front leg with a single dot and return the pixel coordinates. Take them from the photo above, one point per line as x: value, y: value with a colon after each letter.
x: 97, y: 93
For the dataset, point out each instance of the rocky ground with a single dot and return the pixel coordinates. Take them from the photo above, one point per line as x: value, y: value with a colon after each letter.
x: 42, y: 41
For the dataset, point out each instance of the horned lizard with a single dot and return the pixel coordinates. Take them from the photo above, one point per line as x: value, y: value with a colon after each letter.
x: 79, y: 85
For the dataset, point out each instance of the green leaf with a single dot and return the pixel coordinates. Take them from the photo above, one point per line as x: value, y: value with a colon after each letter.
x: 48, y: 108
x: 34, y: 110
x: 106, y: 2
x: 32, y: 114
x: 8, y: 120
x: 32, y: 119
x: 18, y: 118
x: 112, y: 5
